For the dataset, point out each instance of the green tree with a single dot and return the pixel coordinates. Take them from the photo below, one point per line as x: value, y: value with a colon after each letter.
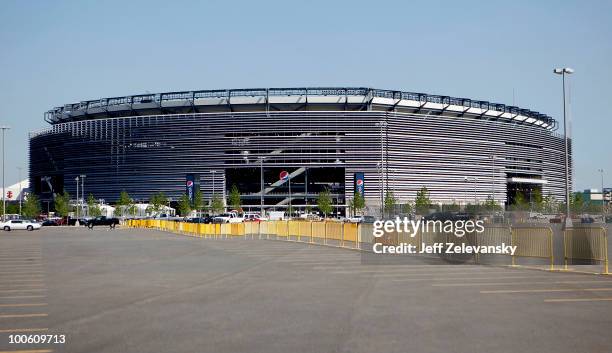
x: 390, y: 202
x: 537, y: 202
x: 234, y: 198
x: 407, y: 208
x: 216, y: 204
x: 197, y: 200
x: 158, y: 201
x: 184, y: 205
x: 124, y: 202
x: 62, y: 204
x: 422, y: 203
x: 358, y: 202
x: 92, y: 207
x: 549, y: 204
x: 577, y: 204
x: 31, y: 206
x: 520, y: 203
x: 453, y: 207
x: 490, y: 205
x: 324, y: 202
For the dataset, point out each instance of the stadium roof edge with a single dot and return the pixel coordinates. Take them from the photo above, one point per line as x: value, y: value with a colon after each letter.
x: 367, y: 97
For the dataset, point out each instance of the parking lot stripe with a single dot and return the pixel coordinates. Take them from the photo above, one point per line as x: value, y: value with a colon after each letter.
x: 21, y: 305
x: 22, y: 296
x: 13, y: 316
x: 22, y: 290
x: 561, y: 300
x: 468, y: 278
x: 476, y: 284
x: 546, y: 290
x: 13, y: 330
x: 30, y: 351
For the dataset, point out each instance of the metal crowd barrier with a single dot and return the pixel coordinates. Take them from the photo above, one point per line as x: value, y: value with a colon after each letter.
x: 588, y: 243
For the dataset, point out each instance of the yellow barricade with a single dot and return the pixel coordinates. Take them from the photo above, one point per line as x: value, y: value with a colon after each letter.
x: 293, y: 228
x: 533, y: 242
x: 305, y: 230
x: 318, y: 230
x: 586, y: 244
x: 334, y: 230
x: 282, y: 228
x: 350, y: 232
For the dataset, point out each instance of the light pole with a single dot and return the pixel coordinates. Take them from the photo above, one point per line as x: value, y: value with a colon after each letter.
x: 19, y: 196
x: 83, y: 176
x: 4, y: 128
x: 568, y: 218
x: 77, y: 200
x: 603, y: 197
x: 261, y: 185
x: 213, y: 172
x: 382, y: 124
x: 493, y: 179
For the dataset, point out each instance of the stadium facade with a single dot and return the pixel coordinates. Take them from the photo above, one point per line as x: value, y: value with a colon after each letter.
x: 462, y: 150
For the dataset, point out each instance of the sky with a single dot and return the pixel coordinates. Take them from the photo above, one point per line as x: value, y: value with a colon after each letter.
x: 58, y: 52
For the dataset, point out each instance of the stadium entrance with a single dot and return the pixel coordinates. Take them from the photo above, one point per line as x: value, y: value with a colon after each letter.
x: 305, y: 183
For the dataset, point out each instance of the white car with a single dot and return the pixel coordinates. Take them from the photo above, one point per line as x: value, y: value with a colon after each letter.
x: 230, y: 217
x: 20, y: 224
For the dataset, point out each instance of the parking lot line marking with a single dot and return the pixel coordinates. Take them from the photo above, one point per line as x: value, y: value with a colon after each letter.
x: 561, y: 300
x: 468, y: 278
x: 22, y: 296
x: 476, y: 284
x: 13, y: 316
x: 22, y: 290
x: 22, y: 280
x: 21, y: 305
x: 36, y: 329
x: 30, y: 351
x: 21, y: 286
x: 546, y: 290
x: 21, y: 273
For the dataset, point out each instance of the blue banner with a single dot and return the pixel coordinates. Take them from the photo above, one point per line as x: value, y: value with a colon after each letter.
x: 359, y: 183
x: 190, y: 185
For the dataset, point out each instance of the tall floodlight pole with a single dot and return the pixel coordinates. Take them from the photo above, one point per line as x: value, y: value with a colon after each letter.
x: 261, y: 185
x: 20, y: 190
x: 568, y: 218
x: 77, y: 199
x: 4, y: 128
x: 493, y: 178
x: 382, y: 124
x: 83, y: 176
x: 603, y: 197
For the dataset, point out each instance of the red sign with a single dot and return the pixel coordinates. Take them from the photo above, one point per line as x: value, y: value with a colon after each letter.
x: 284, y: 175
x: 9, y: 194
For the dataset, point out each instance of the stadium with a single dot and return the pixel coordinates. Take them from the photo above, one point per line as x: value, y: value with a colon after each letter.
x: 336, y: 139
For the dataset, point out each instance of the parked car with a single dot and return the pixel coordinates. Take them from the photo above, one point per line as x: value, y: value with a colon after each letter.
x: 230, y: 217
x: 51, y: 222
x: 203, y: 220
x: 102, y: 221
x: 253, y: 217
x: 20, y: 224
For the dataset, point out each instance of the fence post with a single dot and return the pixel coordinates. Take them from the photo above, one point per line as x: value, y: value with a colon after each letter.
x: 565, y: 249
x: 342, y: 234
x: 605, y: 239
x: 357, y: 235
x: 552, y: 252
x: 325, y: 233
x: 512, y: 244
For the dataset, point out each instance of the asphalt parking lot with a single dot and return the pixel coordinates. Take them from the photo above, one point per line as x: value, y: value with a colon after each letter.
x: 132, y: 290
